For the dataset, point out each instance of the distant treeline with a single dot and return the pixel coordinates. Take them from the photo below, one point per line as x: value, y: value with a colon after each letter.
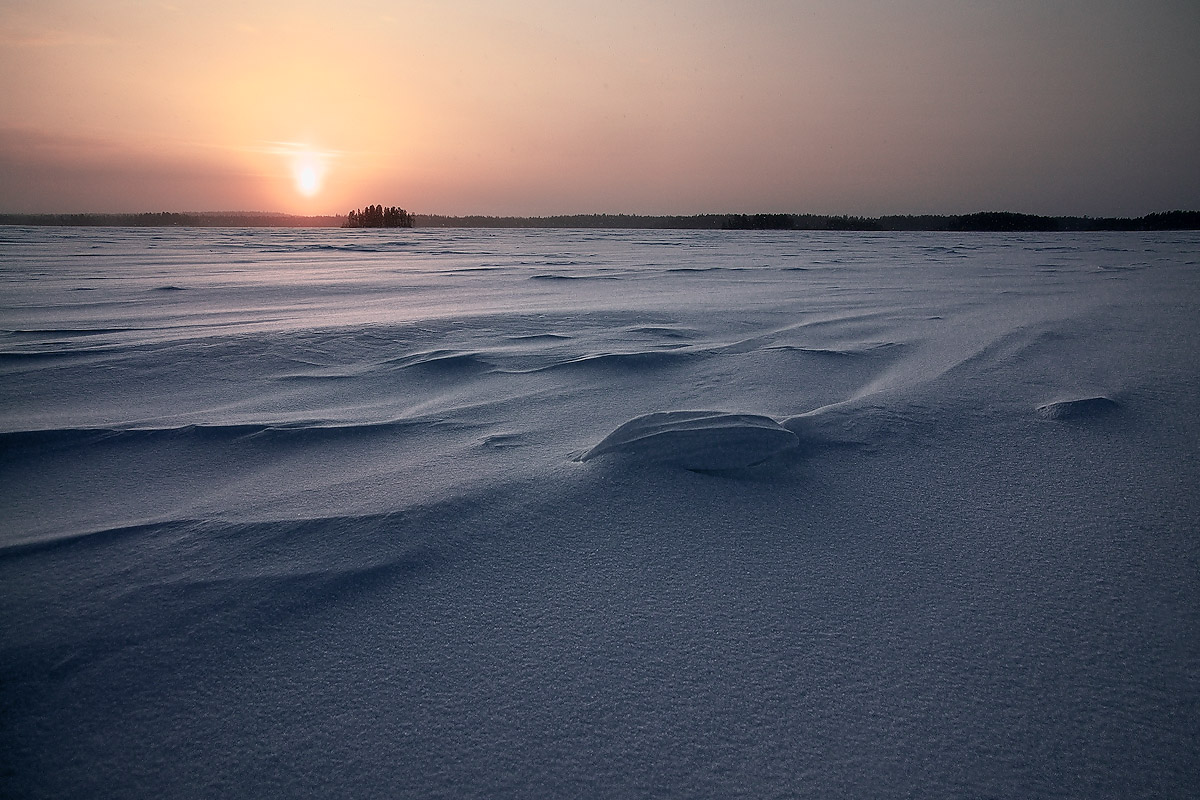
x: 983, y: 221
x: 163, y: 219
x: 631, y: 221
x: 380, y: 217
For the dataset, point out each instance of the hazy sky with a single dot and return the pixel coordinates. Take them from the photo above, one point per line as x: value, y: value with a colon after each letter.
x: 553, y: 106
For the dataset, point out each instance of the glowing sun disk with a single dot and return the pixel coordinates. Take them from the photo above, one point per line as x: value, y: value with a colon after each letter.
x: 308, y: 172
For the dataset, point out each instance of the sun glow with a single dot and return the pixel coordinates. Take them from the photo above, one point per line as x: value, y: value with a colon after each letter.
x: 302, y: 173
x: 308, y: 172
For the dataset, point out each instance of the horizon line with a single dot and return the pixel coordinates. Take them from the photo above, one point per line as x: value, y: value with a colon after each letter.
x: 559, y: 215
x: 981, y: 221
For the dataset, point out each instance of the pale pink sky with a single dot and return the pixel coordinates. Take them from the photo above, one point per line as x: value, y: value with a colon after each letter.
x: 541, y: 107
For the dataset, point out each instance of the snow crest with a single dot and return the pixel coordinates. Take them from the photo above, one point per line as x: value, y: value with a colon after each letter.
x: 1083, y: 408
x: 698, y: 440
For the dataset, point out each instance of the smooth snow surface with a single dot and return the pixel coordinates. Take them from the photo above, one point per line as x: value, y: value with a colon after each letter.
x: 488, y: 514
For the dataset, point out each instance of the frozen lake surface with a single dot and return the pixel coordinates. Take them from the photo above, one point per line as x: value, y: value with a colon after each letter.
x: 490, y: 514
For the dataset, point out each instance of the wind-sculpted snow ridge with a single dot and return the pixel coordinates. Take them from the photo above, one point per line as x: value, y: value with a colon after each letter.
x: 373, y: 247
x: 443, y: 360
x: 438, y: 361
x: 38, y: 356
x: 707, y: 269
x: 845, y: 352
x: 697, y: 440
x: 1082, y: 408
x: 665, y: 331
x: 311, y: 430
x: 634, y: 361
x: 555, y: 276
x: 872, y: 424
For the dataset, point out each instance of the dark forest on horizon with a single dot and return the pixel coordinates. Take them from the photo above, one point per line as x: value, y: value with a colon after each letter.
x: 994, y: 221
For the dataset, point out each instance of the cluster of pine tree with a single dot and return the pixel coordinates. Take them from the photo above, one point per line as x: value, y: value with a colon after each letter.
x: 379, y: 217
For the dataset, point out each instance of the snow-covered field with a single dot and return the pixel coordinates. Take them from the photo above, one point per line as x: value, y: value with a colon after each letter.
x: 378, y: 514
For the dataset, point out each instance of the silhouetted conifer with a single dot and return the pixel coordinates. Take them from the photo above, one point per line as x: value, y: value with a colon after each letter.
x: 379, y: 217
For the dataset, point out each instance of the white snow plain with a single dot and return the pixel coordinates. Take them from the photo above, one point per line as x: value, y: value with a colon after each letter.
x: 334, y: 513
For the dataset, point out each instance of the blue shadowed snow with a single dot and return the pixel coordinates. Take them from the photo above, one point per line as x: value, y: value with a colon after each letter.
x: 432, y: 514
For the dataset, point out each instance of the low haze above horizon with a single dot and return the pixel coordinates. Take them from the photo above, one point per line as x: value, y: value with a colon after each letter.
x: 534, y: 107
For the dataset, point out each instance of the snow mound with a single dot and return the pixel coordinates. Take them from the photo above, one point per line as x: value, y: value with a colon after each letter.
x: 698, y: 440
x: 1083, y: 408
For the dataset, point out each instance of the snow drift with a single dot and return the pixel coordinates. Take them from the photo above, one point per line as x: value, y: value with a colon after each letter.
x: 699, y: 440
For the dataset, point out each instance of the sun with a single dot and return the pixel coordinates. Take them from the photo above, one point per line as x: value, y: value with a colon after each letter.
x: 308, y: 172
x: 308, y: 165
x: 308, y: 182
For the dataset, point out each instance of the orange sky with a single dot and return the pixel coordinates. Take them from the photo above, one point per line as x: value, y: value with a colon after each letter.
x: 540, y: 107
